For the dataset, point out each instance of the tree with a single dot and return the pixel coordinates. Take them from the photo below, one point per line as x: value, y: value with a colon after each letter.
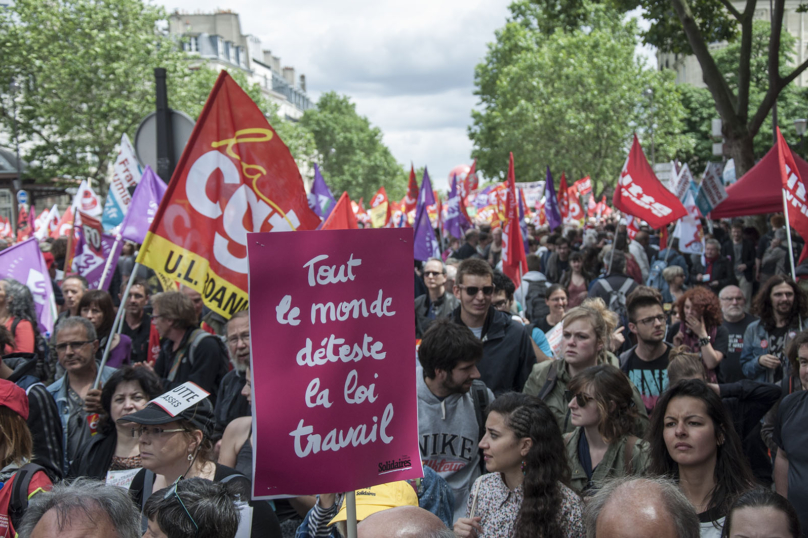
x: 701, y: 110
x: 571, y: 98
x: 87, y: 71
x: 351, y: 152
x: 691, y: 26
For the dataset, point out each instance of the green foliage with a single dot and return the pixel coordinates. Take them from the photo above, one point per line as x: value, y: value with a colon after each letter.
x: 87, y: 71
x: 351, y: 152
x: 570, y: 98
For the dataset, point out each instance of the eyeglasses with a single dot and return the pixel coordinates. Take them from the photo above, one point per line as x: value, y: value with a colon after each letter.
x: 432, y: 273
x: 581, y: 399
x: 244, y: 337
x: 173, y: 491
x: 472, y: 291
x: 651, y: 319
x: 62, y: 348
x: 137, y: 432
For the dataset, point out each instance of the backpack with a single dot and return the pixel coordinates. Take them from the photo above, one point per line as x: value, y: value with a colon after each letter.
x: 535, y: 301
x: 18, y: 503
x: 617, y: 299
x: 41, y: 351
x: 196, y: 337
x: 655, y: 279
x: 479, y: 397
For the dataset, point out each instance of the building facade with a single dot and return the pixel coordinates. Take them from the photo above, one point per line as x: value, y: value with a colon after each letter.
x: 216, y: 38
x: 688, y: 70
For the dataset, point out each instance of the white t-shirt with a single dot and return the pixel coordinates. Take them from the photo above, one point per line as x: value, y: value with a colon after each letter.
x: 478, y: 332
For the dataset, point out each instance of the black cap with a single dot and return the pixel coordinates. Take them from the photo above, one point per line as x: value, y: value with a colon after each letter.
x: 200, y: 415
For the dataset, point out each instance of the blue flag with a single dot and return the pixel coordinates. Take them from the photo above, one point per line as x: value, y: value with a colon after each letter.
x: 321, y: 201
x: 426, y: 246
x: 551, y: 211
x: 456, y: 223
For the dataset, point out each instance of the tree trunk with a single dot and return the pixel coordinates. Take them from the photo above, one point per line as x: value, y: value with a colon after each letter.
x: 739, y: 146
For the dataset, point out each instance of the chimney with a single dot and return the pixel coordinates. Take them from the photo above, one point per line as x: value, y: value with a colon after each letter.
x: 267, y: 57
x: 289, y: 75
x: 303, y: 83
x: 276, y: 64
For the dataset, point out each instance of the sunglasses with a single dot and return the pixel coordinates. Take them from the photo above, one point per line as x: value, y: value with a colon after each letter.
x: 472, y: 291
x: 581, y: 399
x: 432, y: 273
x: 173, y: 491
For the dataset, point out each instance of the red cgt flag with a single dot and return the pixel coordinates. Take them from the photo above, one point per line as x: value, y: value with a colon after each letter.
x: 794, y: 188
x: 342, y: 216
x: 411, y: 200
x: 576, y: 212
x: 513, y: 250
x: 639, y: 192
x: 235, y: 176
x: 563, y: 198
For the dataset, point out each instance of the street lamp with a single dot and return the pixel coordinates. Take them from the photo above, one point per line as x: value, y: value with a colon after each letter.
x: 799, y: 126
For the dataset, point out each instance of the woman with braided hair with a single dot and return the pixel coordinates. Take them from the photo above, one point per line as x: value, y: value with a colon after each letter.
x: 526, y: 493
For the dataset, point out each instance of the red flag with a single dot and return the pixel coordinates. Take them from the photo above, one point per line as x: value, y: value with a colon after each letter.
x: 514, y: 262
x: 342, y: 216
x: 794, y: 188
x: 235, y: 176
x: 663, y: 238
x: 563, y: 198
x: 65, y: 226
x: 593, y: 206
x: 470, y: 182
x: 411, y: 199
x: 576, y: 212
x: 584, y: 186
x: 640, y: 193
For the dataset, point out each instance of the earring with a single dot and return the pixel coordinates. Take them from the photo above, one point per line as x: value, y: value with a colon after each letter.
x: 190, y: 457
x: 523, y: 467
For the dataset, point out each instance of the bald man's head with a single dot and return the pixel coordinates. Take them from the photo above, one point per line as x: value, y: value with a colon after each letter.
x: 403, y: 522
x: 640, y: 507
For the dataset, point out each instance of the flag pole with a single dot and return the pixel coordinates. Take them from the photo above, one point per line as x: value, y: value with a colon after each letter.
x: 788, y: 234
x: 116, y: 325
x: 109, y: 261
x: 350, y: 503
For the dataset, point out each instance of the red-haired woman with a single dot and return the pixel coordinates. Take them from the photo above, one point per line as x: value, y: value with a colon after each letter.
x: 700, y: 328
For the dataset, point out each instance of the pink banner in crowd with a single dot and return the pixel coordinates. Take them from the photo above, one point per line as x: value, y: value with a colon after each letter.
x: 334, y: 401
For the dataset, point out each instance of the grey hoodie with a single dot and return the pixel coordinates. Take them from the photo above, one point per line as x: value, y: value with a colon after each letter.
x: 448, y: 435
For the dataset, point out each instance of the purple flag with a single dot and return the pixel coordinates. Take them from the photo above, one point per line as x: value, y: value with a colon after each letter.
x: 24, y: 262
x: 551, y: 211
x: 481, y: 200
x: 456, y: 223
x: 143, y: 207
x: 426, y: 246
x: 321, y: 201
x: 89, y: 264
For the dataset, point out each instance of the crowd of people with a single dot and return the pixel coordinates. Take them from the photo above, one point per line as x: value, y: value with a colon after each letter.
x: 617, y: 389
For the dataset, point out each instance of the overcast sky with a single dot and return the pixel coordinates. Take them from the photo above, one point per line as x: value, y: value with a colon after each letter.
x: 408, y: 65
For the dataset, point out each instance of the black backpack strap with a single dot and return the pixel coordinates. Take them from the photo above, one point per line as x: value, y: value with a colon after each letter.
x: 479, y: 396
x: 19, y: 493
x: 549, y: 385
x: 14, y: 325
x: 148, y: 486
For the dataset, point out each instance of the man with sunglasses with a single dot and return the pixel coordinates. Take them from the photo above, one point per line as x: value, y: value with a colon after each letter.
x: 646, y: 364
x: 507, y: 352
x: 438, y: 302
x: 76, y: 344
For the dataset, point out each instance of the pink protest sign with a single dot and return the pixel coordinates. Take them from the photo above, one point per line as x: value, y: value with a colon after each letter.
x: 332, y: 332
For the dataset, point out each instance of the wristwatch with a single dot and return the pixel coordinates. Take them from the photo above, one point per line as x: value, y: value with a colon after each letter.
x: 704, y: 341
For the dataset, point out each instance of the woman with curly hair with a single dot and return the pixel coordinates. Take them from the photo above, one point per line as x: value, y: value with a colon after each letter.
x: 526, y: 493
x: 692, y: 440
x: 604, y: 443
x: 18, y: 314
x: 700, y: 328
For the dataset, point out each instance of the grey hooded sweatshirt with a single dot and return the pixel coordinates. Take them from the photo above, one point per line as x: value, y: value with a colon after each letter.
x: 448, y: 435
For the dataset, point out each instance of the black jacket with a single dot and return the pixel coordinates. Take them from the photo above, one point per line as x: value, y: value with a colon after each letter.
x: 43, y: 415
x: 747, y: 257
x: 95, y: 457
x: 508, y: 355
x: 208, y: 367
x: 446, y: 306
x: 722, y: 273
x: 231, y: 404
x: 465, y: 251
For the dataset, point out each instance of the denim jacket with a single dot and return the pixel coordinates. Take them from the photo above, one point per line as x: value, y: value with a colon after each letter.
x: 58, y: 390
x: 753, y: 337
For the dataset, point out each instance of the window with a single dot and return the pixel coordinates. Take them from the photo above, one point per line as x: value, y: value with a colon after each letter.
x: 192, y: 45
x: 220, y: 47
